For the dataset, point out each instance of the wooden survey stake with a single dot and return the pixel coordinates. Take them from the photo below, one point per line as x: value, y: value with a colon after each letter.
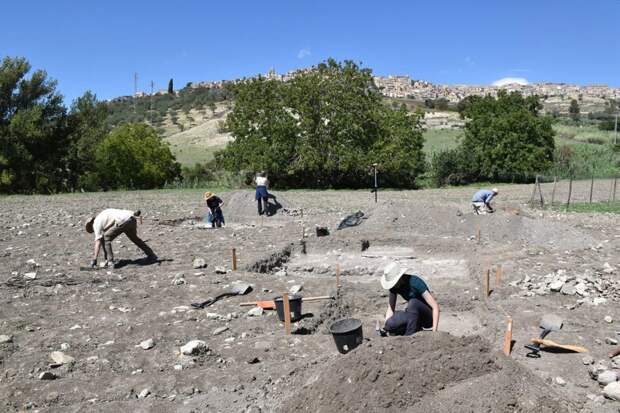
x: 287, y: 313
x: 508, y: 337
x: 478, y: 234
x: 485, y: 283
x: 234, y: 259
x: 498, y: 275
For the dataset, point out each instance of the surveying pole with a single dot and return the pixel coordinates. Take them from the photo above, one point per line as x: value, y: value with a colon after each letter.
x: 374, y: 167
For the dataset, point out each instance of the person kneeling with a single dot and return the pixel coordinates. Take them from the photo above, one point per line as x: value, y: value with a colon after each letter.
x: 422, y: 311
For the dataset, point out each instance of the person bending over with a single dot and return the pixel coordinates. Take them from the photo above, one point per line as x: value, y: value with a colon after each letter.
x: 481, y: 202
x: 422, y: 310
x: 215, y: 216
x: 109, y: 224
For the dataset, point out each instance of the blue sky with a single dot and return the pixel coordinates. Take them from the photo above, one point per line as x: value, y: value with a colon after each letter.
x: 99, y: 45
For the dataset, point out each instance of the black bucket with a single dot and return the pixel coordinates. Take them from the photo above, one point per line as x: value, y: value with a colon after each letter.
x: 347, y: 334
x: 294, y: 305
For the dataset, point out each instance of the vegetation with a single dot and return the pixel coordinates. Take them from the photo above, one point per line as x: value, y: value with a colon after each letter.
x: 170, y: 87
x: 597, y: 207
x: 573, y: 110
x: 324, y: 128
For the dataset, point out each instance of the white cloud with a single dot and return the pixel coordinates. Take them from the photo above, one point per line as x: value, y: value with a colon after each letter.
x: 303, y: 53
x: 509, y: 80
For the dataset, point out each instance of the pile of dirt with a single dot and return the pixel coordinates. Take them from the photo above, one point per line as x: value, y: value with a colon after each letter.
x: 240, y: 205
x: 427, y: 372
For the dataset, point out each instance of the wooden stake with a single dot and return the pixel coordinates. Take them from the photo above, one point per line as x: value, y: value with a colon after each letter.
x: 591, y: 187
x: 555, y: 181
x: 485, y: 283
x: 234, y: 259
x: 542, y: 201
x: 614, y: 197
x: 337, y: 275
x: 478, y: 234
x: 508, y: 337
x: 498, y: 275
x: 570, y: 190
x: 287, y: 313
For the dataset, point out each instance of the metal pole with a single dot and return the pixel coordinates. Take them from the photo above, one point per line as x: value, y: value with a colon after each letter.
x: 616, y: 131
x: 570, y: 190
x: 555, y: 181
x: 615, y: 180
x: 376, y: 186
x: 591, y: 187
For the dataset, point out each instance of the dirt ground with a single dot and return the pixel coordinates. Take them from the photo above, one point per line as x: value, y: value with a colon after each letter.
x: 100, y: 317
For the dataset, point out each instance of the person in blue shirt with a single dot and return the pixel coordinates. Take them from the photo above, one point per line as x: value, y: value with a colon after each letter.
x: 481, y: 202
x: 422, y: 310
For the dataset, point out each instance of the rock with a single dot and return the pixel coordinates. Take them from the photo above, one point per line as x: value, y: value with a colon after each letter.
x: 61, y: 358
x: 199, y: 263
x: 281, y: 273
x: 255, y: 312
x: 178, y: 279
x: 5, y: 339
x: 194, y: 347
x: 219, y: 330
x: 556, y: 285
x: 262, y: 345
x: 612, y: 390
x: 220, y: 270
x: 608, y: 319
x: 295, y: 289
x: 30, y: 275
x: 144, y: 393
x: 147, y: 344
x: 568, y: 289
x: 611, y: 341
x: 47, y: 375
x: 560, y: 381
x: 587, y: 360
x: 608, y: 269
x: 597, y: 369
x: 253, y: 360
x: 606, y: 377
x: 64, y: 346
x: 581, y: 289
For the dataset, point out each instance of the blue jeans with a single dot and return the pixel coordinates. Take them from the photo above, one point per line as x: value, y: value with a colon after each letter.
x: 216, y: 218
x: 418, y: 315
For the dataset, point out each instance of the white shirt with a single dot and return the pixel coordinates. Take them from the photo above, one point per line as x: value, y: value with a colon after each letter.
x: 108, y: 217
x: 261, y: 181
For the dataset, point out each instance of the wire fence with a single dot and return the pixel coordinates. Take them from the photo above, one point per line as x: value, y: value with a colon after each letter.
x: 551, y: 191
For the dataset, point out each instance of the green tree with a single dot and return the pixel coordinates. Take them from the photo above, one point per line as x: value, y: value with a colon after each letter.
x: 133, y: 156
x: 323, y: 128
x: 574, y: 111
x: 170, y: 87
x: 33, y: 133
x: 87, y: 126
x: 505, y: 138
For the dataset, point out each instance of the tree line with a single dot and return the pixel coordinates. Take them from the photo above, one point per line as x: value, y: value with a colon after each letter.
x: 46, y: 147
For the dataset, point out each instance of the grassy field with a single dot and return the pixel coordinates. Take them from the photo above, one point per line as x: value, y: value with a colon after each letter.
x: 191, y: 155
x: 576, y: 134
x: 611, y: 207
x: 439, y: 139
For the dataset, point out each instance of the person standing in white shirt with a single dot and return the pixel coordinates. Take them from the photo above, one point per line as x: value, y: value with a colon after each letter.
x: 262, y: 196
x: 109, y: 224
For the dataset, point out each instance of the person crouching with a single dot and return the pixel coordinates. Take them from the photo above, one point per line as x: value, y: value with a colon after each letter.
x: 215, y: 217
x: 422, y: 311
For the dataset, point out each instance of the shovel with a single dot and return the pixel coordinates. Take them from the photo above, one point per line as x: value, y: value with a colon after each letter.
x: 237, y: 289
x: 549, y: 323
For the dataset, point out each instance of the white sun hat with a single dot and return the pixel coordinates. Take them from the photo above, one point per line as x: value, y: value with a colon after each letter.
x: 495, y: 190
x: 391, y: 274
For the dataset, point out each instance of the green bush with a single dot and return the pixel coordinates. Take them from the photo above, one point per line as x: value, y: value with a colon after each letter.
x: 133, y: 156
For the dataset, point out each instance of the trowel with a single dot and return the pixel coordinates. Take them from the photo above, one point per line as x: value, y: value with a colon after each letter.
x: 548, y: 323
x: 237, y: 289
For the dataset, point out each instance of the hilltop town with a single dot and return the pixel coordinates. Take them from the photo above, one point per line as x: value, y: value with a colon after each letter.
x: 398, y: 86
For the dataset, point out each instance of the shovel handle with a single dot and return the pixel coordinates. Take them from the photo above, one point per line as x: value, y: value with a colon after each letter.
x: 320, y: 297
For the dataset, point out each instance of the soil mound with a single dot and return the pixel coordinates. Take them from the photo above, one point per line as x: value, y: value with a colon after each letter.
x: 413, y: 373
x: 241, y: 204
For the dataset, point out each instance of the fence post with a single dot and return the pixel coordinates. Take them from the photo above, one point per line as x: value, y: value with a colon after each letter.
x: 591, y: 187
x: 615, y: 180
x: 570, y: 190
x: 534, y: 191
x: 542, y: 201
x: 555, y: 181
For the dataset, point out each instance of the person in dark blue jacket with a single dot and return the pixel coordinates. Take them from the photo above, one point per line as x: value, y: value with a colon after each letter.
x: 481, y: 201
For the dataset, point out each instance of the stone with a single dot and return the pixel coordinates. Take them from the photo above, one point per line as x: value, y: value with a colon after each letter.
x: 64, y: 346
x: 556, y: 285
x: 219, y: 330
x: 608, y: 269
x: 61, y: 358
x: 255, y: 312
x: 47, y: 375
x: 596, y: 369
x: 606, y: 377
x: 608, y: 319
x: 194, y: 347
x: 144, y: 394
x: 611, y: 341
x: 220, y: 270
x: 295, y: 289
x: 178, y: 279
x: 281, y: 273
x: 30, y: 275
x: 199, y: 263
x: 262, y: 345
x: 612, y: 391
x: 581, y: 289
x: 147, y: 344
x: 568, y: 289
x: 560, y: 381
x: 587, y: 360
x: 5, y: 338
